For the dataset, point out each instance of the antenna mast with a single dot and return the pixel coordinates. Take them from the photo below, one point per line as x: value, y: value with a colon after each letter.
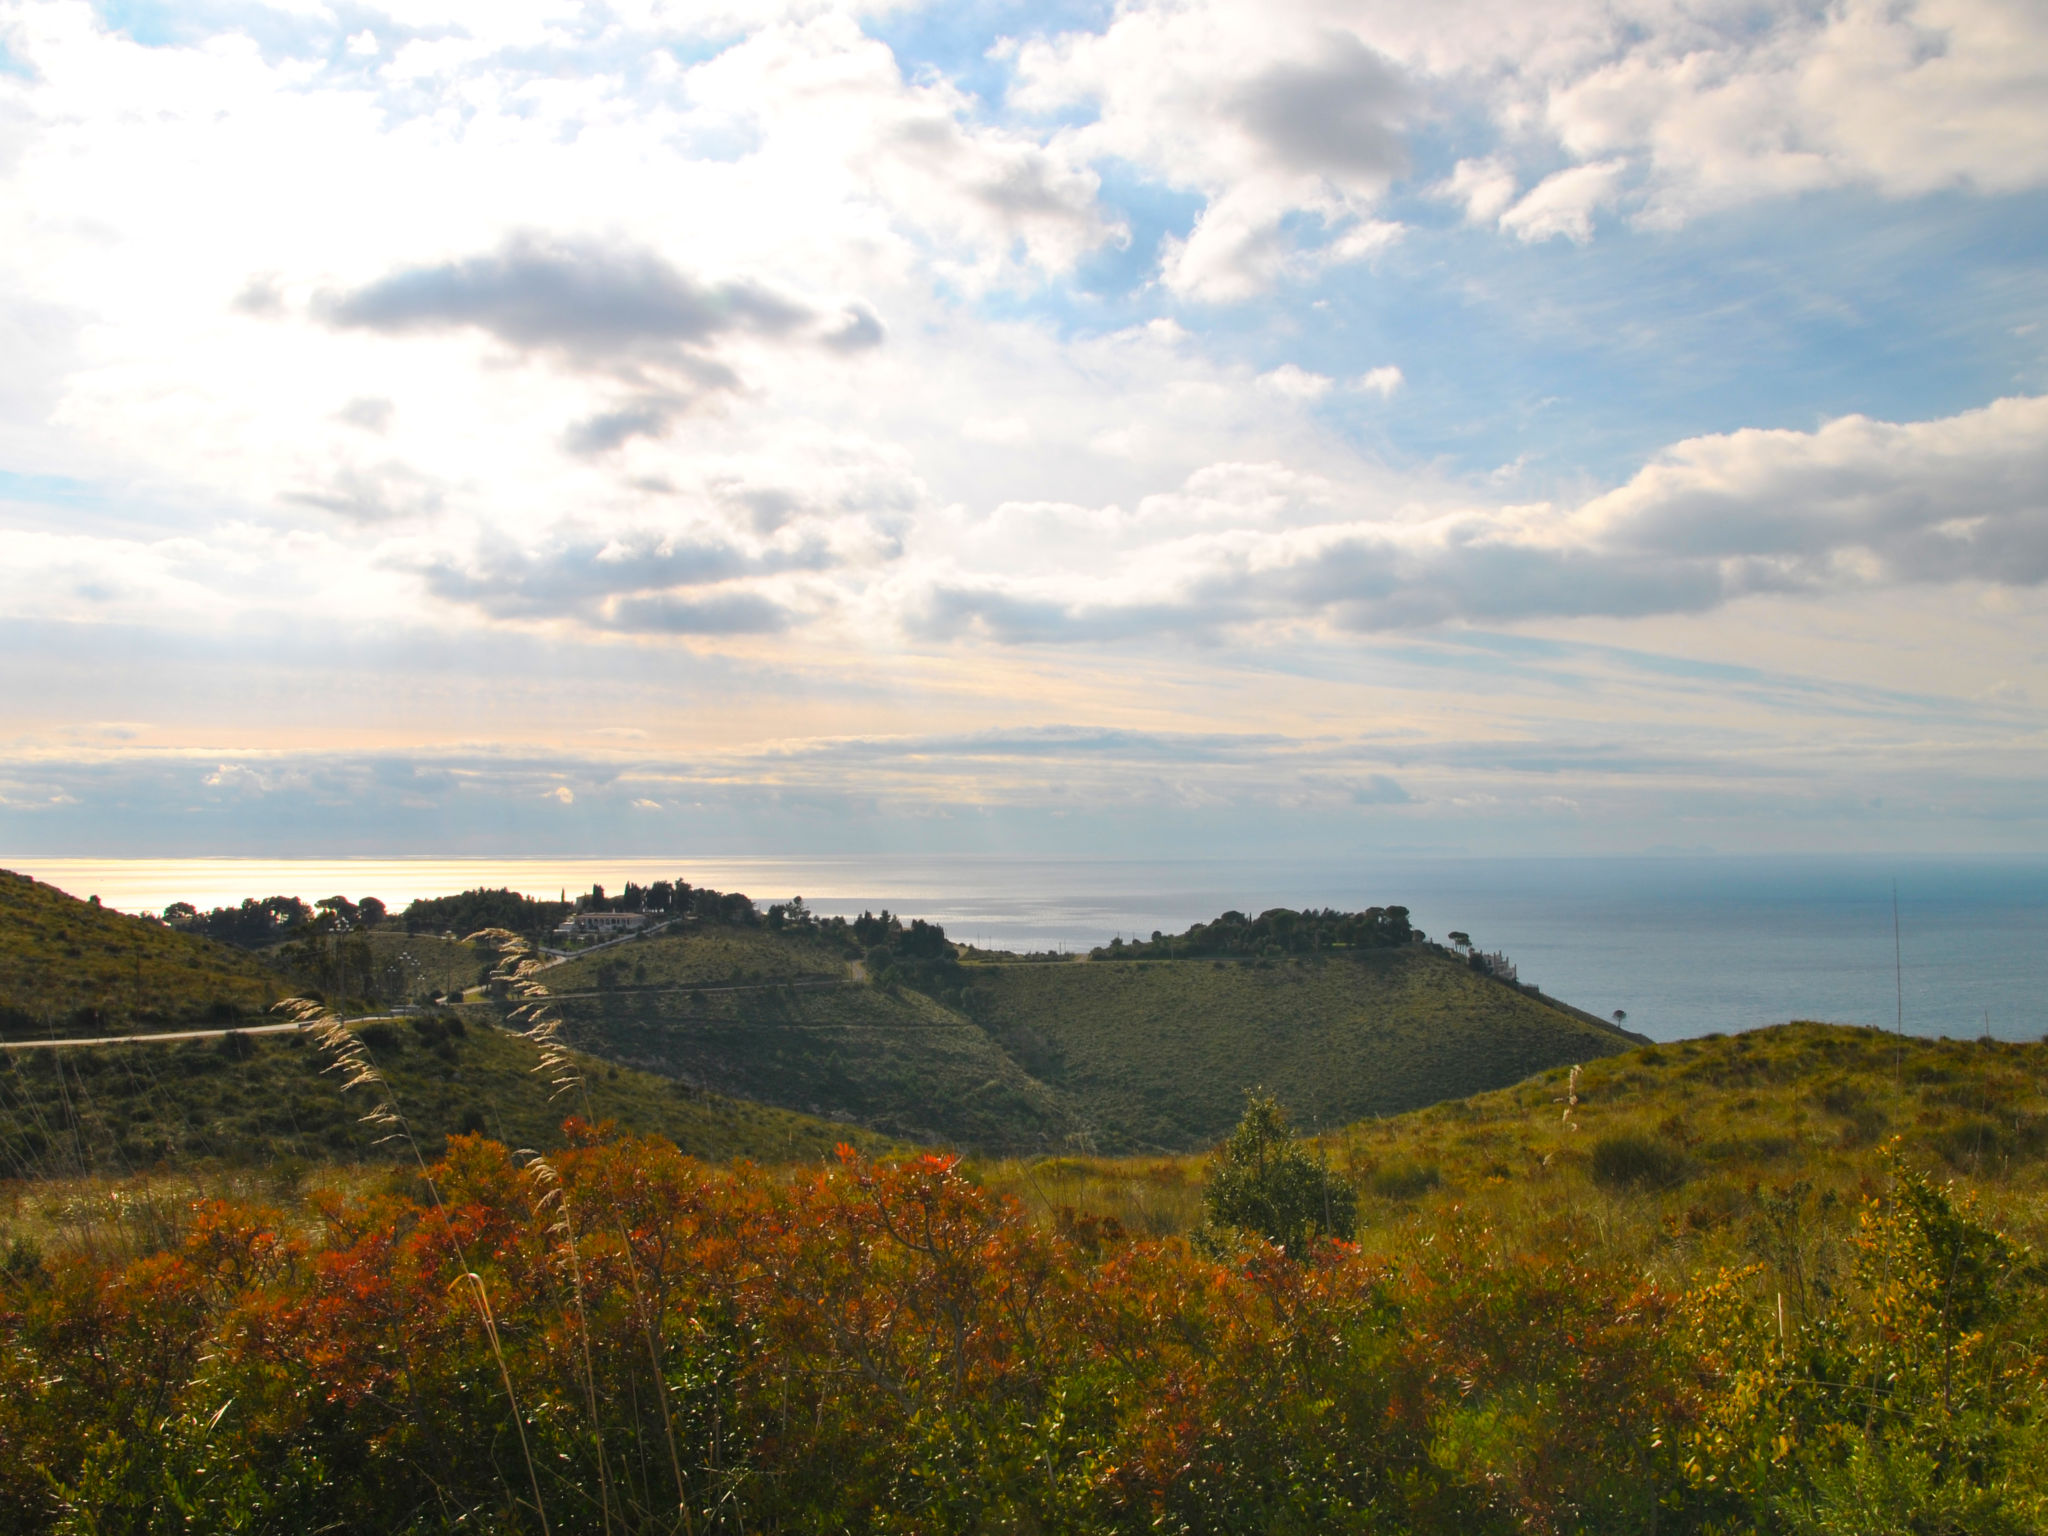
x: 1898, y: 961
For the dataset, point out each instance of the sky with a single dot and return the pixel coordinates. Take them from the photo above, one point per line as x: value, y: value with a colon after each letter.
x: 1153, y: 429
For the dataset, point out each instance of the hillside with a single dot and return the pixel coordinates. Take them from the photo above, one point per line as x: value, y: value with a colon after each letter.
x: 246, y: 1099
x: 895, y: 1061
x: 1157, y: 1054
x: 1719, y: 1150
x: 68, y: 966
x: 1109, y: 1055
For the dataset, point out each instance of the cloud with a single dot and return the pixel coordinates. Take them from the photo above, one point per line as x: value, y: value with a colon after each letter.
x: 583, y: 305
x: 374, y: 493
x: 635, y: 579
x: 1484, y: 187
x: 621, y: 312
x: 649, y: 416
x: 373, y: 413
x: 1337, y: 114
x: 856, y: 331
x: 1384, y: 381
x: 996, y: 429
x: 733, y: 613
x: 1857, y: 504
x: 1296, y: 116
x: 260, y: 297
x: 1264, y: 120
x: 1380, y: 790
x: 1292, y: 383
x: 1564, y: 204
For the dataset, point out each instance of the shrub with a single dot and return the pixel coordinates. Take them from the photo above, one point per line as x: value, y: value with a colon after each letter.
x: 1403, y: 1180
x: 1262, y: 1180
x: 1627, y: 1161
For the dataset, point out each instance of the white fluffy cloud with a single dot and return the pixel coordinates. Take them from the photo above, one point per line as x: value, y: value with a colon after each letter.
x: 1857, y: 504
x: 1306, y: 110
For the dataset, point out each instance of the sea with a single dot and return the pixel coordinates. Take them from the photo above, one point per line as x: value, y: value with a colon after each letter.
x: 1680, y: 946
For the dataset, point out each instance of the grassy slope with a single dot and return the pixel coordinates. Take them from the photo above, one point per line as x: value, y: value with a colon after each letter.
x: 898, y: 1062
x: 410, y: 964
x: 1744, y: 1121
x: 258, y: 1099
x: 1158, y: 1054
x: 66, y: 965
x: 1116, y: 1056
x: 708, y: 958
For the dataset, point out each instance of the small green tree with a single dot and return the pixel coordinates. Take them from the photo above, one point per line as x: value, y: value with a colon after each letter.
x: 1263, y: 1180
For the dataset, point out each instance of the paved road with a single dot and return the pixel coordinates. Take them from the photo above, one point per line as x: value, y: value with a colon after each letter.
x: 183, y: 1034
x: 810, y: 984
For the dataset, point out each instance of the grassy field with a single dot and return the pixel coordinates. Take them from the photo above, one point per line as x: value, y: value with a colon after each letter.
x: 1157, y: 1055
x: 67, y: 966
x: 1752, y: 1148
x: 253, y: 1100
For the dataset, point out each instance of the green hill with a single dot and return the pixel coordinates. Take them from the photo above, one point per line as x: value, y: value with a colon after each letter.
x: 72, y: 967
x: 252, y: 1099
x: 1111, y: 1055
x: 1157, y: 1054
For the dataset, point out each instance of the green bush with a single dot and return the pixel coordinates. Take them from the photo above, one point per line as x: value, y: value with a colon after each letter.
x: 1637, y: 1162
x: 1263, y: 1180
x: 1403, y: 1180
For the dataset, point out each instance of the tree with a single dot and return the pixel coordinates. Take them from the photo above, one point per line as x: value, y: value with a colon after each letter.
x: 1621, y: 1015
x: 1263, y: 1180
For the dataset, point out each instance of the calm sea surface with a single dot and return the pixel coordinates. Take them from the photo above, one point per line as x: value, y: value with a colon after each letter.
x: 1683, y: 945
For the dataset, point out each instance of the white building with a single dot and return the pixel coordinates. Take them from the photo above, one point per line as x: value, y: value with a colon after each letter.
x: 601, y: 924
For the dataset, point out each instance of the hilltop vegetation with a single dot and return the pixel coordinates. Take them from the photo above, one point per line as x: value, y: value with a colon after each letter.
x: 1278, y: 931
x: 74, y: 967
x: 1713, y: 1295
